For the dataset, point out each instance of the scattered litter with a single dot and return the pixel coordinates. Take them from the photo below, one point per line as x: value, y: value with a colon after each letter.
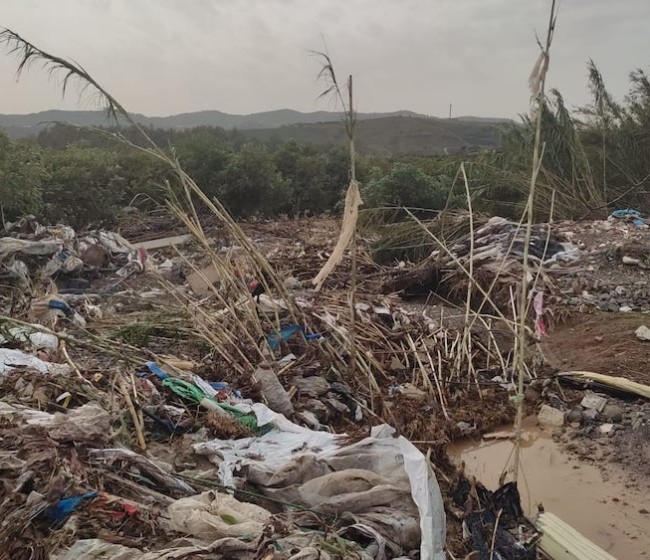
x: 165, y: 376
x: 201, y: 281
x: 628, y: 215
x: 213, y: 515
x: 11, y: 359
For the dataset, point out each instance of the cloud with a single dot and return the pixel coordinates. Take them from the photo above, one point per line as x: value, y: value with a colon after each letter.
x: 168, y: 56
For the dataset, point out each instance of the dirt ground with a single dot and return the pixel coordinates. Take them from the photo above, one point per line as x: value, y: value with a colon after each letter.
x: 600, y: 342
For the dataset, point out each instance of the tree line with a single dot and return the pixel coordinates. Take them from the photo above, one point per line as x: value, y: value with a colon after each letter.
x: 595, y: 159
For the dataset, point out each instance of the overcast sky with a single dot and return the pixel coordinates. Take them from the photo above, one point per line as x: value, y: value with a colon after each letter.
x: 161, y: 57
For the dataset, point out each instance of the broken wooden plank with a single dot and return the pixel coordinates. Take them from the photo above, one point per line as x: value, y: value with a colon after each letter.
x: 162, y: 242
x: 560, y: 541
x: 620, y: 383
x: 201, y: 281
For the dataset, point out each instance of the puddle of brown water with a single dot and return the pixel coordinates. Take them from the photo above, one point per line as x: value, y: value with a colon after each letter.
x: 605, y: 511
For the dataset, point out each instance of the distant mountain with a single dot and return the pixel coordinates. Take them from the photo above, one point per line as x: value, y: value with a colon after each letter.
x: 399, y: 132
x: 20, y: 126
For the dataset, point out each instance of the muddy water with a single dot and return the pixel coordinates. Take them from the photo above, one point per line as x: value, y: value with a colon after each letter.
x: 606, y: 511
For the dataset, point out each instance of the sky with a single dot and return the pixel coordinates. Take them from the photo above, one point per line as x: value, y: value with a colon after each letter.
x: 162, y: 57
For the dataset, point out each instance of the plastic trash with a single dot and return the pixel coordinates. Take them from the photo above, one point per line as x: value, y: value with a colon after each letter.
x: 156, y: 370
x: 286, y: 332
x: 36, y: 339
x: 193, y: 393
x: 629, y: 215
x: 282, y: 460
x: 275, y: 394
x: 11, y: 359
x: 213, y: 515
x: 58, y: 513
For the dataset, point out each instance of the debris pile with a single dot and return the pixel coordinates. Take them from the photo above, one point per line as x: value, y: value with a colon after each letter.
x: 33, y: 254
x: 490, y: 262
x: 228, y: 423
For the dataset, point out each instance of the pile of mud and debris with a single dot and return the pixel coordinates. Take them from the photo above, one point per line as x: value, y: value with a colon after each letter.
x: 194, y: 396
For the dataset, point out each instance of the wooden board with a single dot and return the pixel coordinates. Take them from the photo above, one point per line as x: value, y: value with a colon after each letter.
x: 560, y: 541
x: 163, y: 242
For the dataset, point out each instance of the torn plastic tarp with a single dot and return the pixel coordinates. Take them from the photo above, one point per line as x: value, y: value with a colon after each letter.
x: 285, y: 446
x: 35, y: 338
x: 11, y: 359
x: 214, y: 515
x: 11, y: 246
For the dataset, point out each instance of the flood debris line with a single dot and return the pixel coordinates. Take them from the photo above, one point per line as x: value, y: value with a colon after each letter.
x: 134, y: 404
x: 143, y: 418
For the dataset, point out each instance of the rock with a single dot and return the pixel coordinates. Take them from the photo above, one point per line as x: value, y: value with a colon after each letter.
x: 643, y: 333
x: 606, y: 428
x: 550, y: 417
x: 613, y: 413
x: 630, y: 260
x: 575, y: 414
x: 532, y: 395
x: 625, y: 309
x: 593, y: 402
x: 589, y: 416
x: 465, y: 428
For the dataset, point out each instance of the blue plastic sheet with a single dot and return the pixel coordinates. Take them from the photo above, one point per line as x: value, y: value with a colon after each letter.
x: 153, y: 368
x: 629, y: 214
x: 59, y: 512
x: 274, y: 338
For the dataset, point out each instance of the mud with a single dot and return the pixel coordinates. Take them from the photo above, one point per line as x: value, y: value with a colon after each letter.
x: 601, y: 342
x: 609, y: 512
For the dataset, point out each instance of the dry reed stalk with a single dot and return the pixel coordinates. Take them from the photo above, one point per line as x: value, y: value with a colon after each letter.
x: 538, y: 81
x: 73, y: 366
x: 134, y: 415
x: 494, y: 534
x: 443, y: 401
x: 353, y: 285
